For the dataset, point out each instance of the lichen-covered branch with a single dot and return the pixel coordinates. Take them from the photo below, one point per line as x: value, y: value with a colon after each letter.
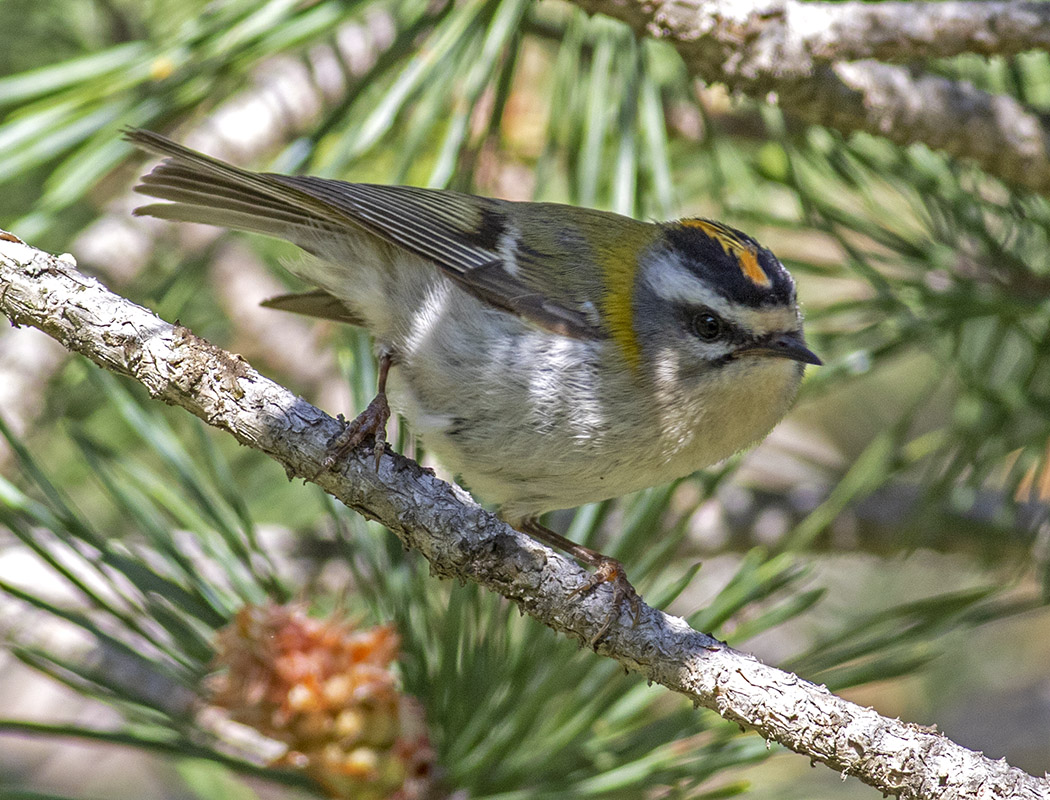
x: 899, y: 31
x: 818, y: 60
x: 463, y: 541
x: 998, y: 133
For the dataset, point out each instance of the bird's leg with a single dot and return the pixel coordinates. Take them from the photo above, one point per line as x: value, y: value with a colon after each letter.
x: 606, y: 570
x: 370, y: 422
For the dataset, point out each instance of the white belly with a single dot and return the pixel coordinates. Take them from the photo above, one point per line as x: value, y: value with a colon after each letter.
x: 535, y: 438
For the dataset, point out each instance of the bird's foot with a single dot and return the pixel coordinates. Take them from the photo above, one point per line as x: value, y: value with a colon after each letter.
x: 625, y: 596
x: 370, y: 422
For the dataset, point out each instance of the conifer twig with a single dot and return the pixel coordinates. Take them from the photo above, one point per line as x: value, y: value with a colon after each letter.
x: 463, y: 541
x: 830, y: 64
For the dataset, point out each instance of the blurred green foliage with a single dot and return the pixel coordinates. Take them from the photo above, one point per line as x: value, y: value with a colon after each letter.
x: 926, y: 288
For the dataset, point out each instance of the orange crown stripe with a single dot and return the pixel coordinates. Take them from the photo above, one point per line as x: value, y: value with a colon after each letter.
x: 745, y: 254
x: 748, y: 260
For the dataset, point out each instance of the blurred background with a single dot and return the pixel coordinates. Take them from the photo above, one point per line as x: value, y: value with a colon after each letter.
x: 889, y: 539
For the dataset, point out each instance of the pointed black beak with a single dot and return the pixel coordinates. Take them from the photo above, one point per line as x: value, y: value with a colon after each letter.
x: 783, y: 345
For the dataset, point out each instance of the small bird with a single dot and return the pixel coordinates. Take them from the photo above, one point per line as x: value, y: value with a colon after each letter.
x: 549, y: 355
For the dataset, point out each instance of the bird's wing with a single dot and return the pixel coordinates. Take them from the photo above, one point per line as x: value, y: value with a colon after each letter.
x: 474, y: 240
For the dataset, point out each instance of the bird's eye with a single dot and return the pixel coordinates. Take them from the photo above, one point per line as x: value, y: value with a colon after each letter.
x: 706, y: 326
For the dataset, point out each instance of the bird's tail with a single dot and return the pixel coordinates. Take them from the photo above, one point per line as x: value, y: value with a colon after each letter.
x: 203, y: 189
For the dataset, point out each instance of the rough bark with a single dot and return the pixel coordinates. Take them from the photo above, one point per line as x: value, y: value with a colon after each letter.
x: 818, y: 60
x: 463, y: 541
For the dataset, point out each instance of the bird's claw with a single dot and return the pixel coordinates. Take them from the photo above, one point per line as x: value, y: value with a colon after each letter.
x: 611, y: 571
x: 370, y: 422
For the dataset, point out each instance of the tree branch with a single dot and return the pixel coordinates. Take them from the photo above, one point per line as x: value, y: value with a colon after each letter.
x: 902, y: 31
x: 463, y: 541
x: 807, y: 55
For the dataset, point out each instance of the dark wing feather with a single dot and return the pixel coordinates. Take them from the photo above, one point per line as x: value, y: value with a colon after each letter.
x: 463, y: 234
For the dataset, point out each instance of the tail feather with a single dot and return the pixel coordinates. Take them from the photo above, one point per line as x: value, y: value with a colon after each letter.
x: 251, y: 222
x: 205, y: 190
